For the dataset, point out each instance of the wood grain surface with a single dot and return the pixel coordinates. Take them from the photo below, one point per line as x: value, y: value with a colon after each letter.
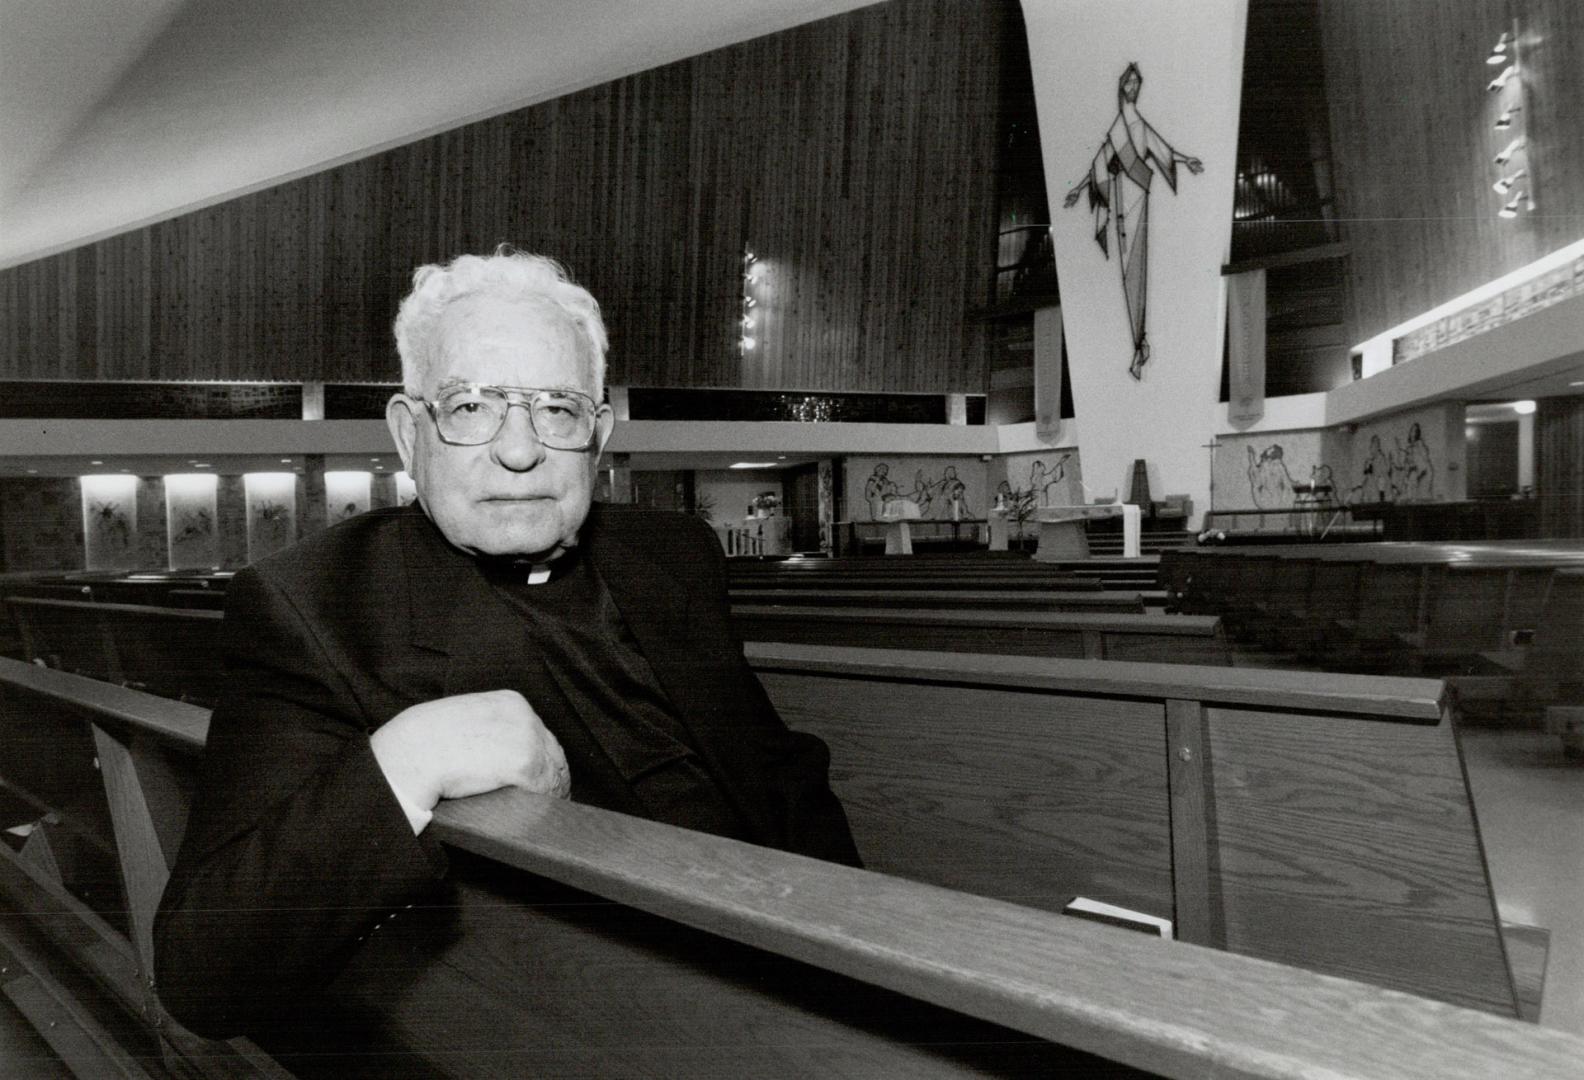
x: 1021, y: 599
x: 456, y: 988
x: 1415, y: 700
x: 854, y: 154
x: 1412, y: 144
x: 1168, y: 1007
x: 1351, y: 847
x: 1030, y: 798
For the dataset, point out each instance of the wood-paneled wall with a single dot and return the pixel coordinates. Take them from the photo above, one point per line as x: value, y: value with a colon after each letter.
x: 856, y: 155
x: 1412, y: 144
x: 1559, y: 465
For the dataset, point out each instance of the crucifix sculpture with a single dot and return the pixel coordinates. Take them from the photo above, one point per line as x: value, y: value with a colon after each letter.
x: 1118, y: 182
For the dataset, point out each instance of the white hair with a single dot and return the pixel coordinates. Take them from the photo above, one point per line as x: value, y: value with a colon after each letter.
x: 508, y: 274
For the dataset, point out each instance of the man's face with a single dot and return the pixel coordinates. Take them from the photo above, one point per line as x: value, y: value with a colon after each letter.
x: 514, y: 495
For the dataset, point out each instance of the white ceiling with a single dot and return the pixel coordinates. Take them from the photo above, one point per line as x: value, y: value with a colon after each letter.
x: 116, y: 113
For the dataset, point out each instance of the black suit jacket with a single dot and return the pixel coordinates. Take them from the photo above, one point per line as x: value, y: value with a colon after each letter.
x: 296, y: 848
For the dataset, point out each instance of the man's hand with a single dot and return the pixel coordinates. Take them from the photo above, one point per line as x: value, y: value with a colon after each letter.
x: 468, y: 744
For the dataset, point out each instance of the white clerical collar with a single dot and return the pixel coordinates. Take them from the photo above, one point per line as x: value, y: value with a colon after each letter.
x: 538, y: 573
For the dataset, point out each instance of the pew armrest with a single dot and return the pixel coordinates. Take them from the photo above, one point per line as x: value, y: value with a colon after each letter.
x: 1164, y: 1006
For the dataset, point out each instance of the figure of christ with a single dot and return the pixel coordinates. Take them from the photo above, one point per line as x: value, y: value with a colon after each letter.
x: 1118, y: 184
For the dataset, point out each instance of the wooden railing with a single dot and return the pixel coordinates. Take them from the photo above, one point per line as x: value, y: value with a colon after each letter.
x: 493, y: 1000
x: 1310, y: 819
x: 1178, y: 639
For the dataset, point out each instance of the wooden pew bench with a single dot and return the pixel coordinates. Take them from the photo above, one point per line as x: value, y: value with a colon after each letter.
x: 172, y: 652
x: 1179, y: 639
x: 1310, y: 819
x: 1007, y: 599
x: 684, y: 954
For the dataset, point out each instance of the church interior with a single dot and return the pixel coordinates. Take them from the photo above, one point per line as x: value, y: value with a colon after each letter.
x: 1145, y: 440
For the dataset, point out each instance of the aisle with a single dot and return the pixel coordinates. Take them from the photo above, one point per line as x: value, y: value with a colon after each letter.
x: 1530, y: 804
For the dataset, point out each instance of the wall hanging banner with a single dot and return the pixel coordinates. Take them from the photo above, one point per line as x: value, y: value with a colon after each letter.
x: 271, y: 513
x: 1138, y: 119
x: 1048, y: 361
x: 1246, y: 346
x: 191, y: 521
x: 110, y: 522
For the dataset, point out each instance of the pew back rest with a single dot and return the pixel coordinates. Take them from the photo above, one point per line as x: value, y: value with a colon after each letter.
x: 1463, y: 610
x: 1181, y: 639
x: 1555, y: 668
x: 173, y: 652
x: 1172, y: 1009
x: 1318, y: 820
x: 1024, y: 599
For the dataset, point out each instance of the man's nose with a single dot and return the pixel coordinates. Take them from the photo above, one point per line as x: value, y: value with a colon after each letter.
x: 516, y: 446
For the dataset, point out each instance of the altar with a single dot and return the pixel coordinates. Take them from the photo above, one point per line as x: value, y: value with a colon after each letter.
x: 1063, y: 530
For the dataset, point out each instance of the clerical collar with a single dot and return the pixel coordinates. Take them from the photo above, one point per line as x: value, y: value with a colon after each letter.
x: 519, y: 570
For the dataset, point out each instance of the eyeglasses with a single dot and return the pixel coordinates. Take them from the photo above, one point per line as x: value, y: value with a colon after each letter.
x: 473, y: 414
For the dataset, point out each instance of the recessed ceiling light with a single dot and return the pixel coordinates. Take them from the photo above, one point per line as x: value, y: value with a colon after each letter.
x: 753, y: 465
x: 96, y: 463
x: 1579, y: 383
x: 33, y: 472
x: 202, y: 465
x: 285, y: 461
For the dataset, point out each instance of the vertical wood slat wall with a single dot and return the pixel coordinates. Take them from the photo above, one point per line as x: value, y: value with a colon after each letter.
x: 855, y: 154
x: 1412, y: 144
x: 1559, y: 465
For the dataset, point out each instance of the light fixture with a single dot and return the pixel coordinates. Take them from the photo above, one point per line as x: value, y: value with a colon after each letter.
x: 1510, y: 207
x: 1504, y: 185
x: 1579, y: 383
x: 752, y: 465
x: 746, y: 342
x: 1501, y: 80
x: 1523, y: 408
x: 1499, y: 51
x: 96, y: 461
x: 1504, y: 121
x: 1509, y: 150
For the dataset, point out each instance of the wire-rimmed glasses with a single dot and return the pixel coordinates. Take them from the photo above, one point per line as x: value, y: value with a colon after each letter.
x: 472, y: 414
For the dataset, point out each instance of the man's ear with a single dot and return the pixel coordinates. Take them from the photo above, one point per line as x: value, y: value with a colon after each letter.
x: 403, y: 427
x: 604, y: 424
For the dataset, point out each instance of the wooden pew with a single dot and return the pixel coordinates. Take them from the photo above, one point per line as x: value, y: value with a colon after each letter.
x: 1179, y: 639
x: 690, y: 955
x: 1308, y: 819
x: 1541, y: 683
x: 1009, y: 599
x: 173, y: 652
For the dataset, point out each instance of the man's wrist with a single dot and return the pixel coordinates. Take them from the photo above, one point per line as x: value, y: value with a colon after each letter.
x: 388, y: 757
x: 417, y: 816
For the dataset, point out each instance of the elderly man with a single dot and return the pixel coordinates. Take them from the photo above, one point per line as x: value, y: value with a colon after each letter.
x: 504, y: 631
